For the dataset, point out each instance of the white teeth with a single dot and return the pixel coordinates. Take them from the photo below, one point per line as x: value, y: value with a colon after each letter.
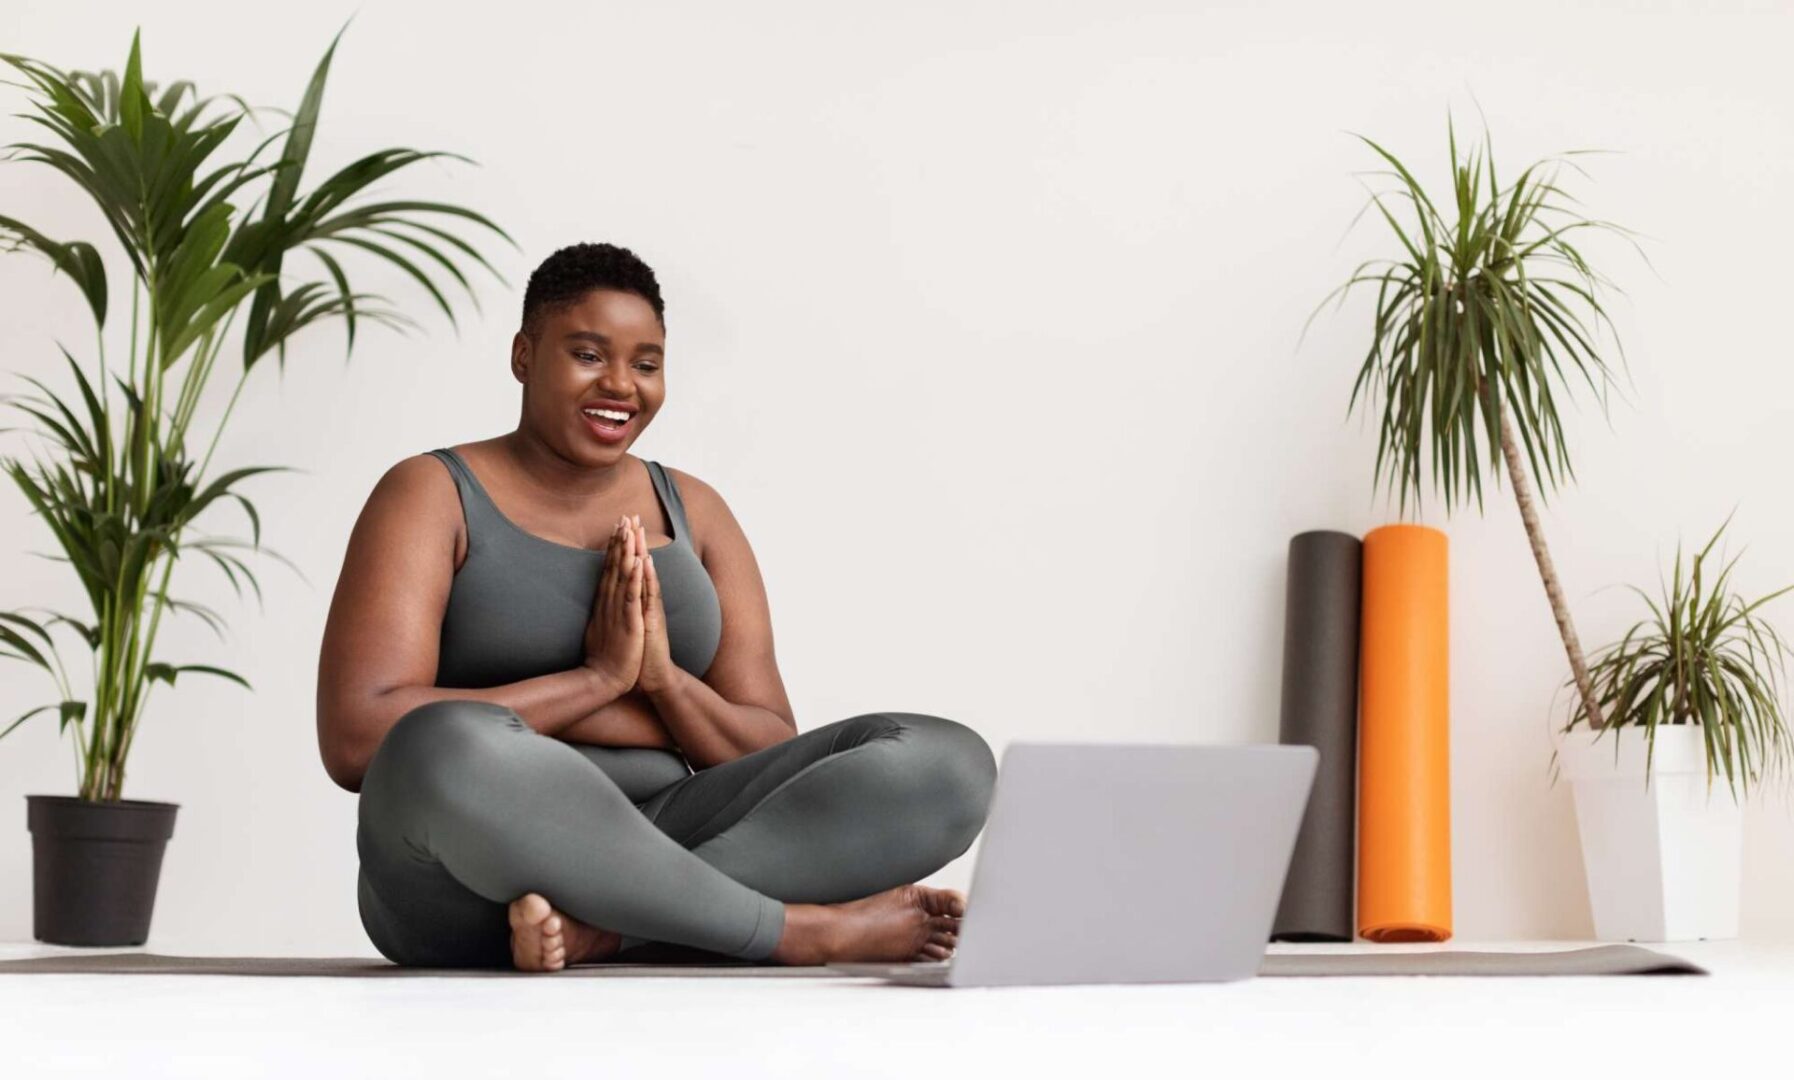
x: 608, y: 414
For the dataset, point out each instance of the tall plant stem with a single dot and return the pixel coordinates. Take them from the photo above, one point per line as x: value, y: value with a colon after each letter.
x: 123, y: 609
x: 105, y: 656
x: 1553, y: 591
x: 168, y: 558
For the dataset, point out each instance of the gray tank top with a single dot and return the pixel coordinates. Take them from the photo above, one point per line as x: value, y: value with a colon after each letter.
x: 519, y: 605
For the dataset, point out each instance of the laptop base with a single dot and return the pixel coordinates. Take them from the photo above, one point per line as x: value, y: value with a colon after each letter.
x: 930, y: 974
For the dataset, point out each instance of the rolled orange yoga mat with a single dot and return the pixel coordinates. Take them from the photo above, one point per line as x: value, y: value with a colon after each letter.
x: 1404, y: 780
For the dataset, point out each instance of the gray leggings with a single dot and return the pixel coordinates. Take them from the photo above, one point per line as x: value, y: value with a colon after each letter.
x: 464, y: 808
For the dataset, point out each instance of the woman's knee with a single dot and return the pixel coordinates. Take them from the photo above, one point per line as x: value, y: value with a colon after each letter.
x: 953, y: 767
x: 434, y: 742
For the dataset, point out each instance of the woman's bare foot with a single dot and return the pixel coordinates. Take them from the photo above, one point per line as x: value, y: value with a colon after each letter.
x: 543, y: 939
x: 909, y: 922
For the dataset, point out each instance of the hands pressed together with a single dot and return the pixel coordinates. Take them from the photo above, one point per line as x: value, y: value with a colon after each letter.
x: 626, y: 637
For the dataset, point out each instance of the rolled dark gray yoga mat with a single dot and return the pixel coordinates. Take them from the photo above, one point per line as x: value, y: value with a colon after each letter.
x: 1320, y: 709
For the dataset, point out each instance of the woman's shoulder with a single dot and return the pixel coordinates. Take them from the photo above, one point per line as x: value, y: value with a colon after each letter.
x: 422, y: 472
x: 413, y: 504
x: 421, y: 487
x: 436, y: 469
x: 694, y: 492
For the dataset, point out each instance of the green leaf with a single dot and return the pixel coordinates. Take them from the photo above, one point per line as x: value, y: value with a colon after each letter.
x: 167, y: 673
x: 78, y: 259
x: 25, y: 717
x: 132, y: 105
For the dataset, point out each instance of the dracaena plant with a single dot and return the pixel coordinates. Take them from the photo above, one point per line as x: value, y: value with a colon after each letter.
x: 1705, y: 657
x: 1485, y: 323
x: 207, y: 238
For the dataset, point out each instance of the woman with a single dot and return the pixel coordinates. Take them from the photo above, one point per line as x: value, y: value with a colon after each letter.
x: 531, y: 638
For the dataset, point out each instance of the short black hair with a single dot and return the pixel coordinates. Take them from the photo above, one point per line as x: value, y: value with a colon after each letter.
x: 577, y: 269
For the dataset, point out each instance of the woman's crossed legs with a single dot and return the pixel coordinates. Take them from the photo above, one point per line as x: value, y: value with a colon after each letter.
x: 465, y: 808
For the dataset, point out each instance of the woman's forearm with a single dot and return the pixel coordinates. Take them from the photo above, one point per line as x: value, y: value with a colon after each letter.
x: 630, y: 720
x: 351, y: 729
x: 710, y: 728
x: 547, y: 703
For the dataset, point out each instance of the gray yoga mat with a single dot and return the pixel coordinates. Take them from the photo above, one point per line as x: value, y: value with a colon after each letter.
x: 1320, y: 709
x: 1598, y: 960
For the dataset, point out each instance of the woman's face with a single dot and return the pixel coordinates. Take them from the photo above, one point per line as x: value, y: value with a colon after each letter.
x: 607, y: 350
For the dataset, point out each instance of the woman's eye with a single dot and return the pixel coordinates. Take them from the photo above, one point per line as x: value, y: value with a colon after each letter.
x: 588, y: 358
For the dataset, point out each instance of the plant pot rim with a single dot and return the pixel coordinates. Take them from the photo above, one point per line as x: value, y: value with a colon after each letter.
x: 1585, y: 730
x: 1599, y: 754
x: 70, y: 818
x: 120, y: 804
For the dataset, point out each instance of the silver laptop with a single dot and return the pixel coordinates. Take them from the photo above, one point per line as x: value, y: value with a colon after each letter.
x: 1125, y: 863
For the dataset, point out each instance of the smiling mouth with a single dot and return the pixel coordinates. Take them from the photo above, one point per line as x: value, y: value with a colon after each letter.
x: 608, y: 419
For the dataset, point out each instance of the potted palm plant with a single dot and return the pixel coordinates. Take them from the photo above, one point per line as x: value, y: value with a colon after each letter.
x: 1484, y: 324
x: 121, y: 498
x: 1690, y: 692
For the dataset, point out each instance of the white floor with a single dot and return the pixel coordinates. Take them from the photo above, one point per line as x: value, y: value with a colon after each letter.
x: 1527, y: 1028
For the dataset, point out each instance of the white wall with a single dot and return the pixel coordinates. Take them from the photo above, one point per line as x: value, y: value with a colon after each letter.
x: 894, y: 241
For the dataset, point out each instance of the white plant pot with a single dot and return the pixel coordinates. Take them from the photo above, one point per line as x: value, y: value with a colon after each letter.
x: 1663, y: 864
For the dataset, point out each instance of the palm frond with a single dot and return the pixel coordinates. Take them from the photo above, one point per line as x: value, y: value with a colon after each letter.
x: 1479, y: 326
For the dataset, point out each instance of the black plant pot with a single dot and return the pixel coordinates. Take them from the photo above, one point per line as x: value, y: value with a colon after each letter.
x: 94, y: 866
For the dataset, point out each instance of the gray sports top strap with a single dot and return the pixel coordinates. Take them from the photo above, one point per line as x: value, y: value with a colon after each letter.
x: 669, y: 498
